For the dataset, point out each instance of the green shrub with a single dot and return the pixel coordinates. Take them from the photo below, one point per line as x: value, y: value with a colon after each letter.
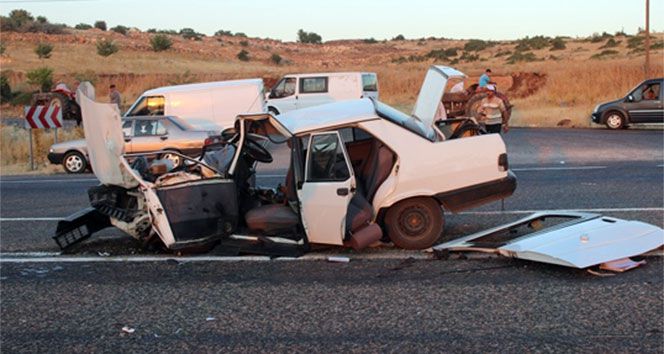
x: 467, y: 57
x: 160, y: 42
x: 603, y: 54
x: 308, y: 37
x: 120, y: 29
x: 521, y: 57
x: 611, y: 43
x: 21, y: 98
x: 276, y: 58
x: 41, y: 19
x: 240, y: 34
x: 100, y: 25
x: 189, y: 33
x: 106, y: 48
x: 399, y: 37
x: 635, y: 42
x: 42, y: 77
x: 475, y: 45
x: 5, y: 89
x: 558, y: 44
x: 502, y: 53
x: 244, y: 43
x: 43, y: 50
x: 223, y: 33
x: 83, y: 26
x: 370, y: 40
x: 536, y: 42
x: 2, y: 48
x: 243, y: 55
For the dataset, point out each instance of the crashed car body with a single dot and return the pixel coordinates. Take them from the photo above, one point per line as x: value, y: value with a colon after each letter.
x: 359, y: 171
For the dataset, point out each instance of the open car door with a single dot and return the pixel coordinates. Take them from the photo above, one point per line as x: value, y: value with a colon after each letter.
x: 328, y: 187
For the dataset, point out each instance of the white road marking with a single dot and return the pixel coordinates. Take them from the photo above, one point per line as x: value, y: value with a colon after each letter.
x: 10, y: 258
x: 490, y: 212
x: 571, y: 168
x: 35, y: 181
x: 31, y: 219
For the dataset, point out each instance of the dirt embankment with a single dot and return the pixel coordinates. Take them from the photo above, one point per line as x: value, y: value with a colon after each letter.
x: 526, y: 84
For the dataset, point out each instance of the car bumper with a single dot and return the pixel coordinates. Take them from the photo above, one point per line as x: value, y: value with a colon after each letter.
x: 484, y: 193
x: 596, y: 118
x: 55, y: 158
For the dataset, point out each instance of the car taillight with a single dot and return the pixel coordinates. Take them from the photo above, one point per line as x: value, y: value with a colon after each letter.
x: 208, y: 141
x: 503, y: 164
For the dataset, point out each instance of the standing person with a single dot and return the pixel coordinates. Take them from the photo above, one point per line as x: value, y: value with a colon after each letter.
x: 492, y: 110
x: 114, y: 95
x: 485, y: 81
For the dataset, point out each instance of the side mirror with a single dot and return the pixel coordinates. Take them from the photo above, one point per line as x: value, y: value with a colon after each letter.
x: 630, y: 98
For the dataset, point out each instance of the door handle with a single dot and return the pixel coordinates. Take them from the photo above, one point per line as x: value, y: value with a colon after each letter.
x: 342, y: 192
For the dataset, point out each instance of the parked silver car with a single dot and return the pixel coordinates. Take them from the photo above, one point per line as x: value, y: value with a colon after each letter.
x: 142, y: 134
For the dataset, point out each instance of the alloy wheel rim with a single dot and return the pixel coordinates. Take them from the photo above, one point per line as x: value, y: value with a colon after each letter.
x: 74, y: 163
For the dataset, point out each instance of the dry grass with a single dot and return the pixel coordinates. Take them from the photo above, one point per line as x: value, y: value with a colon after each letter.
x: 15, y: 145
x: 574, y: 84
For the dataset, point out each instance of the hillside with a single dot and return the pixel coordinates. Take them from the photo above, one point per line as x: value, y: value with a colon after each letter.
x: 549, y: 80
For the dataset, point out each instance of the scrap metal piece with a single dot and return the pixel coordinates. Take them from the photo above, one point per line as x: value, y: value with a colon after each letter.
x: 578, y: 240
x: 79, y: 226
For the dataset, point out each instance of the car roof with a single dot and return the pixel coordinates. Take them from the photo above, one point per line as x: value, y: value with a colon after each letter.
x: 203, y: 86
x: 329, y: 74
x: 328, y: 115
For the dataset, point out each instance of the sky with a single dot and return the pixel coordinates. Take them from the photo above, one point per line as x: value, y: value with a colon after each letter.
x: 356, y: 19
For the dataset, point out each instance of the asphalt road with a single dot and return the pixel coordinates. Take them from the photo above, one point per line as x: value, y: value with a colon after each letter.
x: 396, y: 305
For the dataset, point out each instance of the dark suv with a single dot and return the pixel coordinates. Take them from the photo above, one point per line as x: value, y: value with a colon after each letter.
x: 641, y: 105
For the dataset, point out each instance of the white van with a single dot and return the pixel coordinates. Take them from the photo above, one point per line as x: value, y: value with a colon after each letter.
x: 206, y: 106
x: 306, y: 90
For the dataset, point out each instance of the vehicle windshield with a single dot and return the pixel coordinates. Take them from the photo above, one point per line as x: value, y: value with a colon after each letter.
x: 148, y: 106
x: 285, y: 88
x: 405, y: 121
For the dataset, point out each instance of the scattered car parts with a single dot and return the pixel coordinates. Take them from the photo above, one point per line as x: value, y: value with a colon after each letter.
x: 571, y: 239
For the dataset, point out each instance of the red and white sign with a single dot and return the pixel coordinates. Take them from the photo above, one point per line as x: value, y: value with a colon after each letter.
x: 42, y: 117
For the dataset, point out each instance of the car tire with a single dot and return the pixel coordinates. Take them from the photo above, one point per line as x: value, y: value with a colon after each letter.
x: 74, y: 162
x: 415, y: 223
x: 176, y: 159
x: 614, y: 120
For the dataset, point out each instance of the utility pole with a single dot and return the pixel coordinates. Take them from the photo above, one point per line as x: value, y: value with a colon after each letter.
x: 647, y: 66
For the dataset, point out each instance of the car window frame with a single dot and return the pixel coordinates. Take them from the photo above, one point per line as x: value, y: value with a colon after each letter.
x: 340, y: 145
x: 301, y: 85
x: 131, y: 113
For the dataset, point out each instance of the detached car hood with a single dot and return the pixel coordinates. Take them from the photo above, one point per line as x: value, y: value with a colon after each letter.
x: 432, y: 91
x: 581, y: 240
x: 103, y: 137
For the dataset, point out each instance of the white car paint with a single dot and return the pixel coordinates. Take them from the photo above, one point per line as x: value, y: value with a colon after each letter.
x: 323, y: 210
x: 340, y: 86
x: 210, y: 105
x: 585, y: 241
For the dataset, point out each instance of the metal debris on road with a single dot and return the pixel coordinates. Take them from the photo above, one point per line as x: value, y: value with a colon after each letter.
x: 336, y: 259
x: 128, y: 329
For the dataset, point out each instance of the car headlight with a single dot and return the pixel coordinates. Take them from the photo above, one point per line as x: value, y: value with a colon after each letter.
x: 596, y: 108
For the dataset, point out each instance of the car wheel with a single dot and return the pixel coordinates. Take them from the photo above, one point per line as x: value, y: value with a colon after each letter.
x: 615, y: 120
x: 414, y: 223
x: 175, y: 159
x: 74, y: 162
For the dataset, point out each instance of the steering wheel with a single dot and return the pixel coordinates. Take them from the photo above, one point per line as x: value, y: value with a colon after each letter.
x: 256, y: 151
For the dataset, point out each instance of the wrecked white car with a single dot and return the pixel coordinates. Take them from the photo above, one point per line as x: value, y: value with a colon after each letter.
x: 359, y: 172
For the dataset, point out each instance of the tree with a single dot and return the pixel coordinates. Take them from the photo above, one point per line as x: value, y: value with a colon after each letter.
x: 42, y: 77
x: 308, y: 37
x: 276, y: 58
x: 160, y: 42
x: 100, y: 25
x: 399, y: 38
x: 43, y: 50
x: 558, y: 44
x: 243, y: 55
x: 120, y: 29
x: 189, y: 33
x: 42, y: 19
x: 106, y: 48
x: 20, y: 17
x: 244, y: 43
x: 82, y: 26
x: 223, y: 33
